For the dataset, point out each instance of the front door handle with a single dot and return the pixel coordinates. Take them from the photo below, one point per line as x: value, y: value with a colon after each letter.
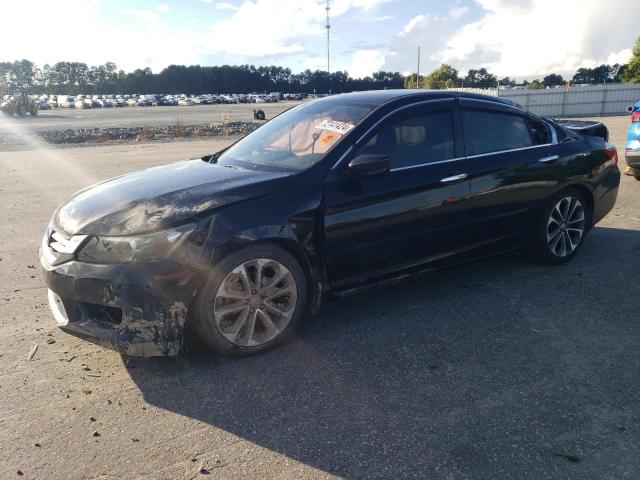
x: 549, y: 159
x: 454, y: 178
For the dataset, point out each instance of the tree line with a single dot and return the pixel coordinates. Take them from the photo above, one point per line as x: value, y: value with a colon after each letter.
x: 76, y: 77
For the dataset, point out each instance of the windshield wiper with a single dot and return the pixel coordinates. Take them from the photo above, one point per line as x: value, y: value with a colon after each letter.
x: 213, y: 158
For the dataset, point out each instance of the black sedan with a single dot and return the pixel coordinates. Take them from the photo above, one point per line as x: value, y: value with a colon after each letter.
x: 328, y: 197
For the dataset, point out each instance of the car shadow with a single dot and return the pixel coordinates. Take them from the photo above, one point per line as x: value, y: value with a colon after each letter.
x: 498, y: 369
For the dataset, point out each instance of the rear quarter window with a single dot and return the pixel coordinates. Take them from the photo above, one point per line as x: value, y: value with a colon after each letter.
x: 487, y: 132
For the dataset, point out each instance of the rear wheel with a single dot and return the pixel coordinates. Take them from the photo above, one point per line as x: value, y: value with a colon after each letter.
x: 252, y: 301
x: 636, y: 173
x: 560, y: 230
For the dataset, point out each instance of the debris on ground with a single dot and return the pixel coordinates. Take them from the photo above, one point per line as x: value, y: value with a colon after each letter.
x: 122, y: 134
x: 33, y: 351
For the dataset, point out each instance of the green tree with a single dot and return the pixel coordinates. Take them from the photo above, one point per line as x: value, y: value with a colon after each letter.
x: 553, y: 80
x: 535, y: 85
x: 480, y: 79
x: 444, y: 77
x: 631, y: 73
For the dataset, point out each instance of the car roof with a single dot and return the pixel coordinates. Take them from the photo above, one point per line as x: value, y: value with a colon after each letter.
x: 381, y: 97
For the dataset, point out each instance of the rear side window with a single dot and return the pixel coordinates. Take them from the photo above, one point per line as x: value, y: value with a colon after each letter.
x: 423, y: 138
x: 540, y: 131
x: 487, y: 132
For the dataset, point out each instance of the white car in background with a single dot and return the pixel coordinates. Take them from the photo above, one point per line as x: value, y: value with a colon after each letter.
x: 66, y: 101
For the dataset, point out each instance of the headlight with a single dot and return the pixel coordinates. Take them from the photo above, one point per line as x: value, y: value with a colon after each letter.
x: 140, y: 248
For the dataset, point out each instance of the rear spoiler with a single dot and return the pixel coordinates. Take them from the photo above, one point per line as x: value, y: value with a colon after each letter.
x: 585, y: 127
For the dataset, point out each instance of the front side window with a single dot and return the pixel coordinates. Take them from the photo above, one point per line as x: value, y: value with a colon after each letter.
x: 487, y: 132
x: 420, y: 139
x: 298, y: 138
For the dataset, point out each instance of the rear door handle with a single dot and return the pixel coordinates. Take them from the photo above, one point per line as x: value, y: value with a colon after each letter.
x: 549, y: 159
x: 454, y: 178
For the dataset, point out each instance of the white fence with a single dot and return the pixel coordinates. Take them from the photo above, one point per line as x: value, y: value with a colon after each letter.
x: 592, y: 100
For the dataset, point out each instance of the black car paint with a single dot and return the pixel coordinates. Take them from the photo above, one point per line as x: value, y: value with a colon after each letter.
x: 345, y: 230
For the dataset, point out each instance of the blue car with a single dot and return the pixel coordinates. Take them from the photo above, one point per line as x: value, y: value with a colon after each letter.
x: 632, y: 149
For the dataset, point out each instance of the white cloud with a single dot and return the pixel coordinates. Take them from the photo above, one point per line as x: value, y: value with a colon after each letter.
x: 381, y: 18
x: 457, y: 12
x: 411, y: 25
x: 526, y: 38
x: 368, y: 4
x: 144, y: 15
x: 365, y: 62
x: 225, y: 6
x: 163, y: 8
x: 430, y: 32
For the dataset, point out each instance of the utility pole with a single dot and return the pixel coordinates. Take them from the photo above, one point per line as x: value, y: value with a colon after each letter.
x: 418, y: 76
x: 328, y: 27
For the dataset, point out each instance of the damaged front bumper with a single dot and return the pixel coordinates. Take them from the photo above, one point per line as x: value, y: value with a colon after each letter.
x: 136, y: 309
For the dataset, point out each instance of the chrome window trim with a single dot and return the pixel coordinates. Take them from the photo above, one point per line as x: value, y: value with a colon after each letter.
x: 509, y: 150
x: 468, y: 157
x: 437, y: 162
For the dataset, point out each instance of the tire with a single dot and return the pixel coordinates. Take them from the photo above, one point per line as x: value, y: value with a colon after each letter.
x: 559, y: 230
x: 236, y: 315
x: 22, y: 111
x: 636, y: 174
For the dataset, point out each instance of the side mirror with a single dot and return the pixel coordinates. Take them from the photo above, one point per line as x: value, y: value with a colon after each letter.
x: 630, y: 109
x: 370, y: 165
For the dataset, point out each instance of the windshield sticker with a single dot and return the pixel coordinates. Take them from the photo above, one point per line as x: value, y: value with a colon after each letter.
x: 329, y: 138
x: 335, y: 126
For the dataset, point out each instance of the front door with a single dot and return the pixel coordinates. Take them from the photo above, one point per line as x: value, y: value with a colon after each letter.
x: 416, y: 212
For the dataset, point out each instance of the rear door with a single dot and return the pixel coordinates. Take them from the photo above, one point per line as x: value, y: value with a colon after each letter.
x: 513, y: 161
x: 416, y: 212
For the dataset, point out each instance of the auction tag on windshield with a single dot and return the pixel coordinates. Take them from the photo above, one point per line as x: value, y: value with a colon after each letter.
x: 329, y: 138
x: 335, y: 126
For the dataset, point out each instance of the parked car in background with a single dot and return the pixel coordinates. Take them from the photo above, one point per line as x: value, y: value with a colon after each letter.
x: 325, y: 198
x: 104, y: 102
x: 66, y: 101
x: 632, y: 148
x: 186, y: 102
x: 84, y: 103
x: 132, y: 102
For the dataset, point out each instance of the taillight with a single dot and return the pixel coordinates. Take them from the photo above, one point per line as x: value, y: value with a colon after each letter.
x: 635, y: 117
x: 612, y: 153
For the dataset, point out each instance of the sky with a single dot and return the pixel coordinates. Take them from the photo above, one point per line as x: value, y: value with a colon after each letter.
x: 516, y: 38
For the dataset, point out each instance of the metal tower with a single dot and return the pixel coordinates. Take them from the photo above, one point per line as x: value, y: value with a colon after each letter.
x: 328, y: 27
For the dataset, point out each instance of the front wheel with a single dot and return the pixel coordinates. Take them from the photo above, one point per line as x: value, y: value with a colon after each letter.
x: 252, y: 301
x: 559, y: 231
x: 636, y: 173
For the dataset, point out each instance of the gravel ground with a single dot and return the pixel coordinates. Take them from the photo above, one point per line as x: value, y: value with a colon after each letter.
x: 497, y: 370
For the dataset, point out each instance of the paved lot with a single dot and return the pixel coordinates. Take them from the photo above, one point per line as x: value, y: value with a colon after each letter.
x: 498, y: 370
x: 65, y: 118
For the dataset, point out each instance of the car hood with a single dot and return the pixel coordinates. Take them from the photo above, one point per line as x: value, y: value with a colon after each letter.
x: 160, y: 197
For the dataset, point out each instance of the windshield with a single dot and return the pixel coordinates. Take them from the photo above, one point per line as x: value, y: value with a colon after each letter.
x: 298, y: 138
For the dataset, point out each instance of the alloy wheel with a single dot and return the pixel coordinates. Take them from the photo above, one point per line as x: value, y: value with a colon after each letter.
x: 565, y: 226
x: 255, y: 302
